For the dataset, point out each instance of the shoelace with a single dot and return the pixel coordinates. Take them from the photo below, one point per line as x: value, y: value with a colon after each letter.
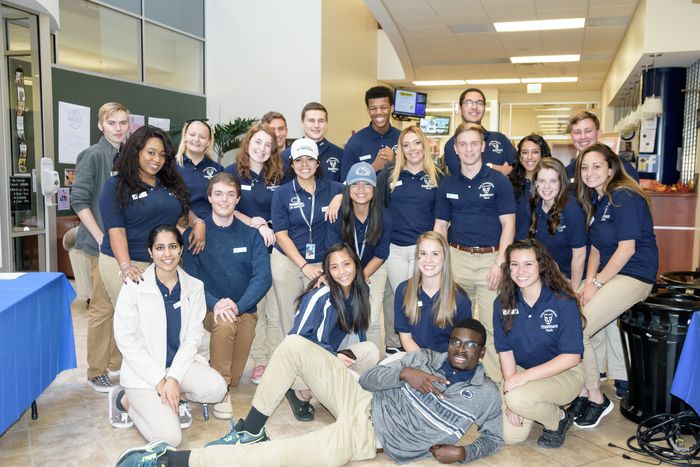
x: 103, y: 380
x: 184, y: 410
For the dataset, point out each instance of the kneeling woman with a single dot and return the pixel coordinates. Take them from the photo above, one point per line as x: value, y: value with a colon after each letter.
x: 537, y: 328
x: 158, y: 329
x: 429, y: 302
x: 336, y: 317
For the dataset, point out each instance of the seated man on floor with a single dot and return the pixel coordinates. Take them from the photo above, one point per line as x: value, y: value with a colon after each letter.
x: 437, y: 395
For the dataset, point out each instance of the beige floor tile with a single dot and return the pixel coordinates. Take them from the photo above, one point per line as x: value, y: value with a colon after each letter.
x: 19, y: 460
x: 15, y: 443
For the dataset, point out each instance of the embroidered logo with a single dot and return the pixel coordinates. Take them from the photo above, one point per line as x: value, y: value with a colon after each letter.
x: 427, y: 185
x: 361, y: 170
x: 486, y: 189
x: 334, y: 164
x: 295, y: 203
x: 209, y: 172
x: 606, y: 214
x: 496, y: 146
x: 548, y: 316
x: 467, y: 393
x: 272, y: 187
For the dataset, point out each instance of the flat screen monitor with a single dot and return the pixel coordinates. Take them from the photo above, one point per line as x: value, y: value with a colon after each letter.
x: 410, y: 103
x: 435, y: 126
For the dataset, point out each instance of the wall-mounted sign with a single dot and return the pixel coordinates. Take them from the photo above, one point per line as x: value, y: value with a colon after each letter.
x: 20, y: 194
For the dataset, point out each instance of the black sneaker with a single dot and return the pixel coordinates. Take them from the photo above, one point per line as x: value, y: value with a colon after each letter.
x: 393, y: 350
x: 593, y: 413
x: 554, y: 439
x: 621, y: 388
x: 100, y: 383
x: 603, y: 376
x: 576, y: 407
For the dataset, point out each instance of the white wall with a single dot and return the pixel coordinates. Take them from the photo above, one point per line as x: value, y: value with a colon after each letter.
x: 262, y: 56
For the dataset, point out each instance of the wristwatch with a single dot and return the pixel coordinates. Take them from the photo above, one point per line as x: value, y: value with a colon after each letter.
x: 596, y: 282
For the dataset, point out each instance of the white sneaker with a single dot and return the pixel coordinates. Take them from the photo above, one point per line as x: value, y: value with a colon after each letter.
x: 118, y: 418
x: 185, y: 415
x: 223, y: 409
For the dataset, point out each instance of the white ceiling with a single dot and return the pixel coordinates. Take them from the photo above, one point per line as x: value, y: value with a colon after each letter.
x: 455, y: 39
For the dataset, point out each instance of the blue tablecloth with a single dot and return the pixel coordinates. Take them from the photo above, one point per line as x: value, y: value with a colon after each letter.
x: 36, y: 339
x: 686, y: 381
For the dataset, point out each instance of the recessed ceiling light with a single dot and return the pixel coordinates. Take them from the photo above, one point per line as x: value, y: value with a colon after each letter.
x: 494, y: 81
x: 560, y: 79
x: 440, y: 82
x: 546, y: 59
x: 540, y: 25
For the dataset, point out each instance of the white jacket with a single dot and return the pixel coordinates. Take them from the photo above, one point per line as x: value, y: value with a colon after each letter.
x: 140, y: 330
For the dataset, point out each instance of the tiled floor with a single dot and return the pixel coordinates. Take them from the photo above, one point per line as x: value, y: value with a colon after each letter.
x: 72, y: 429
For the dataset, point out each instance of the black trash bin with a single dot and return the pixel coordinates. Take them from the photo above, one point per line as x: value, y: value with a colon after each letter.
x: 653, y: 333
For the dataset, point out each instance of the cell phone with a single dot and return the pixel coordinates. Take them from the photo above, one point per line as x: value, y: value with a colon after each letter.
x: 348, y: 353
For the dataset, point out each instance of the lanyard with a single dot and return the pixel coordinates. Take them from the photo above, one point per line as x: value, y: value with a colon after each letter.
x: 301, y: 209
x: 359, y: 251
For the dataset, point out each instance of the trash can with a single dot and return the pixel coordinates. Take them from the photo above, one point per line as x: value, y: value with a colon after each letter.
x: 688, y: 280
x: 653, y: 333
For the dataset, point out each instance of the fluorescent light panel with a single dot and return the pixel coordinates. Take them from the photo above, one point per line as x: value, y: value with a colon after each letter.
x: 494, y: 81
x: 540, y: 25
x: 440, y: 82
x: 558, y: 79
x: 546, y: 59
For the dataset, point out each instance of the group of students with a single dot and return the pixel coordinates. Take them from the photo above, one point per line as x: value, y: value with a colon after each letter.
x: 275, y: 244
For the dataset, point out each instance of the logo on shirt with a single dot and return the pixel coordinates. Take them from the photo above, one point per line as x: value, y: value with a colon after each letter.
x: 507, y: 312
x: 272, y: 187
x: 548, y: 316
x: 561, y: 228
x: 209, y: 172
x: 486, y: 189
x: 427, y: 184
x: 467, y: 393
x: 496, y: 146
x: 606, y: 214
x: 295, y: 203
x: 333, y: 164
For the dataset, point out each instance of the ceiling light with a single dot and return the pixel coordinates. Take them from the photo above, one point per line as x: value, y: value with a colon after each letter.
x: 494, y: 81
x: 559, y: 79
x: 540, y: 25
x: 546, y: 59
x: 553, y: 116
x: 534, y: 88
x: 440, y: 82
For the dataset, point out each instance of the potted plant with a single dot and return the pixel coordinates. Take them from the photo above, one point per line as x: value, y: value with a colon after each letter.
x: 228, y: 136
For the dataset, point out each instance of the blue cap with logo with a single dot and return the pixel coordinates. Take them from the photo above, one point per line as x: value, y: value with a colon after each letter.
x: 362, y: 172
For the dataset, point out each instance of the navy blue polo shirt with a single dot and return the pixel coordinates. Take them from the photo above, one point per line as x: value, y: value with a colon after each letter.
x: 173, y: 319
x: 539, y: 333
x: 626, y: 218
x: 570, y: 234
x: 412, y: 206
x: 523, y: 214
x: 498, y: 150
x: 473, y: 206
x: 364, y: 145
x: 571, y: 170
x: 196, y: 179
x: 287, y: 204
x: 150, y: 208
x: 380, y: 250
x: 256, y: 197
x: 329, y: 156
x: 425, y: 332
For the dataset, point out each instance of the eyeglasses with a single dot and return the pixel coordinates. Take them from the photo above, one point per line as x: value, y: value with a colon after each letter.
x: 469, y: 345
x: 469, y: 103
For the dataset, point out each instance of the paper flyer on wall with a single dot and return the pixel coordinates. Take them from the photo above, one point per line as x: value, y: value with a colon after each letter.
x: 73, y: 131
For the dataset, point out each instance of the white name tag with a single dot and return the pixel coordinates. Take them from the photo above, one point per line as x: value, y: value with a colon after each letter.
x: 365, y: 157
x: 176, y: 305
x: 420, y: 302
x: 324, y: 208
x: 398, y: 183
x: 242, y: 249
x: 143, y: 194
x: 246, y: 187
x: 113, y: 173
x: 452, y: 195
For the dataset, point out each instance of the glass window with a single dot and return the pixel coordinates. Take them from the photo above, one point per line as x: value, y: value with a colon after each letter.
x: 99, y: 39
x: 18, y: 34
x: 185, y: 15
x: 173, y: 60
x: 133, y: 6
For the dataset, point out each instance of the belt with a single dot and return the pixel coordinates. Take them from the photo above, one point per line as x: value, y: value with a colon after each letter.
x: 479, y: 250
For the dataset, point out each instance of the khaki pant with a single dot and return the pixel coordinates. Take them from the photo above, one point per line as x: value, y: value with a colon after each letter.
x: 539, y: 401
x: 268, y: 334
x: 350, y: 437
x: 470, y: 271
x: 608, y: 350
x: 367, y: 357
x: 614, y: 298
x: 230, y: 345
x: 109, y: 272
x: 102, y: 351
x: 156, y: 420
x: 289, y: 282
x: 378, y: 287
x: 399, y: 267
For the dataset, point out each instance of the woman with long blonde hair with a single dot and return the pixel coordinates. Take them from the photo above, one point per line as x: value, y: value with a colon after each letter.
x: 429, y: 302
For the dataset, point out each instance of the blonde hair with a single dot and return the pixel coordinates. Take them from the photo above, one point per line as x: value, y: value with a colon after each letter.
x: 445, y: 307
x: 428, y: 164
x: 109, y: 109
x: 182, y: 147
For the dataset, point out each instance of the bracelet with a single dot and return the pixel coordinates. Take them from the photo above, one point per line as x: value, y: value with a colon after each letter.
x: 302, y: 268
x: 196, y: 221
x: 124, y: 264
x: 258, y: 227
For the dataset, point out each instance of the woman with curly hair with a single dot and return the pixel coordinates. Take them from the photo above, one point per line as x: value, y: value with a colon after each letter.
x: 537, y: 329
x: 558, y: 220
x: 531, y: 149
x: 146, y: 191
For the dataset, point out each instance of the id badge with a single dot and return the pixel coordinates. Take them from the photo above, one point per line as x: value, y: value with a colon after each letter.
x: 310, y: 251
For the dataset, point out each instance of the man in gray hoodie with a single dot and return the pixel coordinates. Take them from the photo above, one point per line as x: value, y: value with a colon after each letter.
x: 415, y: 407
